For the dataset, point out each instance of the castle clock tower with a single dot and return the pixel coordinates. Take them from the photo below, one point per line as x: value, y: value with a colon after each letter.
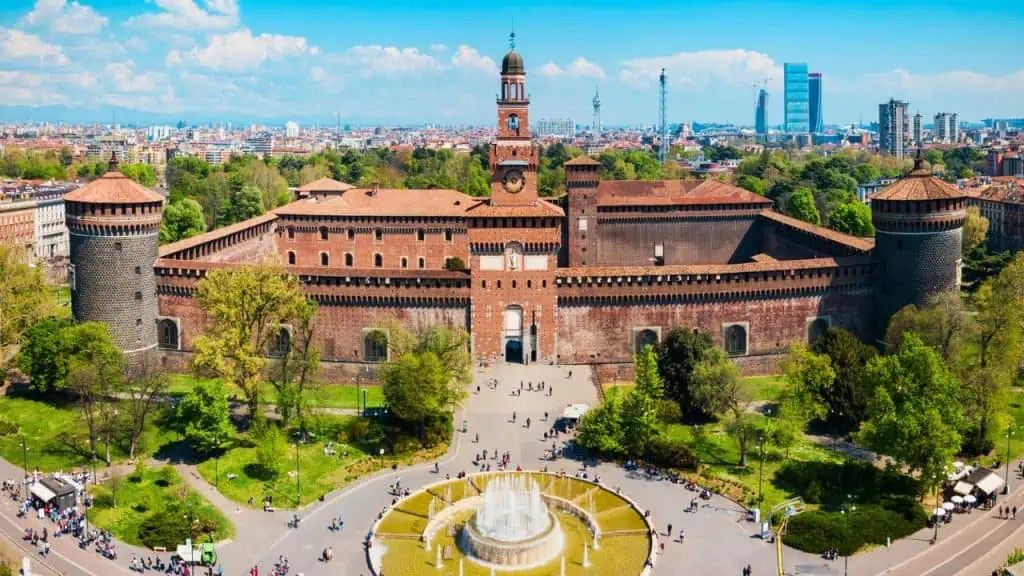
x: 513, y: 155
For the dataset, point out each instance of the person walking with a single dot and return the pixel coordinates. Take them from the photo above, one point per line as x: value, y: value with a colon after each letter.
x: 513, y: 417
x: 669, y: 531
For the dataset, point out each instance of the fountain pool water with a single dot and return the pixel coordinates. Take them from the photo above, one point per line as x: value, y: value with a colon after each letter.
x: 512, y: 510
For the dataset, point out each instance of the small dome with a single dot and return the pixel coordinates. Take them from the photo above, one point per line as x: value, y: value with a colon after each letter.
x: 512, y: 63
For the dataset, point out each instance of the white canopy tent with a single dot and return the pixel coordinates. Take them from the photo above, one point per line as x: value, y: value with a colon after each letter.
x: 42, y: 492
x: 990, y: 483
x: 962, y: 488
x: 575, y: 411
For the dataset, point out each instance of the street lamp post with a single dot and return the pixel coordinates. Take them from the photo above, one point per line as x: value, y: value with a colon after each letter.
x: 847, y: 512
x: 298, y: 476
x: 760, y: 473
x: 24, y: 456
x: 1006, y: 476
x: 359, y: 387
x: 380, y: 444
x: 191, y: 534
x: 216, y: 464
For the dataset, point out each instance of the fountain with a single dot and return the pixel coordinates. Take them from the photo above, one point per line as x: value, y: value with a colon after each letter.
x: 439, y: 560
x: 586, y: 556
x: 512, y: 526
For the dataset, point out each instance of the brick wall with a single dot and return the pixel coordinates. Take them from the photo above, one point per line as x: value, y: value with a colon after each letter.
x: 630, y: 241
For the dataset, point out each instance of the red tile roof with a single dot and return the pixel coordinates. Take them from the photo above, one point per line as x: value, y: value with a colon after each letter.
x: 682, y: 270
x: 325, y: 185
x: 113, y: 188
x: 583, y: 160
x: 673, y: 192
x: 175, y: 247
x: 919, y: 185
x: 863, y: 244
x: 385, y: 202
x: 539, y: 209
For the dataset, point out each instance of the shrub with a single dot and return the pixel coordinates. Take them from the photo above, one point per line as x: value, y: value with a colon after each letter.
x: 818, y: 530
x: 669, y: 412
x: 357, y: 430
x: 7, y: 428
x: 168, y: 477
x: 166, y: 528
x: 269, y: 450
x: 1015, y: 557
x: 668, y: 453
x: 6, y: 570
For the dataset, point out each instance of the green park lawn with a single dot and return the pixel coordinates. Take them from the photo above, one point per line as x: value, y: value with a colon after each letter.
x: 160, y: 497
x: 342, y: 396
x: 766, y: 388
x: 57, y: 437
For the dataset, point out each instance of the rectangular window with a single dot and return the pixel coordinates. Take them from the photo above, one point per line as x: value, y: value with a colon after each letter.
x: 581, y: 224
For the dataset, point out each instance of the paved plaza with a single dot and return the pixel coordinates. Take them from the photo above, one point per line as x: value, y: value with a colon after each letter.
x: 718, y: 538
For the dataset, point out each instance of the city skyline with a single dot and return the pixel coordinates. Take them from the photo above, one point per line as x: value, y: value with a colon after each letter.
x: 402, y: 64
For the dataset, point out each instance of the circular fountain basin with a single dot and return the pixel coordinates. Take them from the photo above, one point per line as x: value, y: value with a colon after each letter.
x: 536, y: 550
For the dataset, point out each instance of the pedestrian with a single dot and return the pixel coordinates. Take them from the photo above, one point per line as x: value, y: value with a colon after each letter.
x: 682, y: 534
x: 527, y: 422
x: 662, y: 547
x: 669, y: 531
x: 513, y: 417
x: 1014, y: 512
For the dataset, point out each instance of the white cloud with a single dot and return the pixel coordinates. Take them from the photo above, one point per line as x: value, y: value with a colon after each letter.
x: 388, y: 60
x: 551, y: 69
x: 64, y: 18
x: 700, y: 69
x: 578, y: 68
x: 20, y: 78
x: 189, y: 15
x: 78, y: 79
x: 137, y: 44
x: 438, y: 48
x: 240, y: 50
x: 19, y: 46
x: 469, y: 58
x: 126, y: 79
x: 31, y: 97
x: 901, y: 82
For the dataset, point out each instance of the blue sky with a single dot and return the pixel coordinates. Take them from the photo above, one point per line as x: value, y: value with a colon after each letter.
x: 403, y: 62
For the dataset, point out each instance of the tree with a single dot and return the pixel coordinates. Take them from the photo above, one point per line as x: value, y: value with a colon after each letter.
x: 242, y: 204
x: 939, y: 324
x: 975, y: 230
x: 94, y: 378
x: 719, y: 390
x: 847, y: 399
x: 600, y: 429
x: 245, y: 307
x: 915, y: 413
x: 142, y: 395
x: 141, y: 173
x: 298, y: 366
x: 810, y: 377
x: 852, y: 218
x: 638, y: 415
x: 417, y: 387
x: 681, y: 351
x: 449, y: 345
x: 181, y: 220
x: 752, y: 183
x: 203, y: 416
x: 270, y: 450
x: 801, y: 206
x: 25, y: 299
x: 44, y: 354
x: 648, y: 381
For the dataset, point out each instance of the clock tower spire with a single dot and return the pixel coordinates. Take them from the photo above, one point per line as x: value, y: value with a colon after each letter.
x: 513, y: 155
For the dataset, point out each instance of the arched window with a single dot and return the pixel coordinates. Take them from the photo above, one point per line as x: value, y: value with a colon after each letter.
x: 448, y: 235
x: 421, y: 235
x: 167, y: 334
x: 816, y: 329
x: 351, y: 233
x: 405, y: 262
x: 378, y: 260
x: 279, y: 343
x: 291, y: 257
x: 324, y: 259
x: 323, y: 233
x: 644, y: 338
x: 378, y: 234
x: 422, y: 262
x: 736, y: 340
x: 375, y: 346
x: 291, y: 233
x: 348, y: 259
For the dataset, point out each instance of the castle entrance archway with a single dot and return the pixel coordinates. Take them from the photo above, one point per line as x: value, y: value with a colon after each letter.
x: 514, y: 334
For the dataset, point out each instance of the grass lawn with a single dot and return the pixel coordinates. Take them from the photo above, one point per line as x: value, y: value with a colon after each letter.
x: 58, y: 439
x: 318, y: 473
x: 158, y: 492
x: 328, y: 396
x: 767, y: 388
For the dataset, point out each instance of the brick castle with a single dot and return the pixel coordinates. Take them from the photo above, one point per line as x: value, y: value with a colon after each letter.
x: 589, y: 278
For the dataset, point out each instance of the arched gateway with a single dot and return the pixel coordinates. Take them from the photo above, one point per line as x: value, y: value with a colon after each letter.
x: 514, y: 334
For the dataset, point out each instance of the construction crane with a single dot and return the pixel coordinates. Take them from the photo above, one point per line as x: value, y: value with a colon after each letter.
x: 663, y: 148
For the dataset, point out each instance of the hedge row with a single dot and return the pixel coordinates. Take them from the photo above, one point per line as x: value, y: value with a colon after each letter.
x: 817, y: 531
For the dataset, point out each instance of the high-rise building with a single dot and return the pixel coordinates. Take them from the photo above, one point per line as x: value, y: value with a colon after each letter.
x: 946, y: 127
x: 817, y: 123
x: 796, y: 109
x: 918, y: 132
x: 892, y: 127
x: 560, y: 127
x: 761, y: 116
x: 597, y: 114
x: 291, y: 130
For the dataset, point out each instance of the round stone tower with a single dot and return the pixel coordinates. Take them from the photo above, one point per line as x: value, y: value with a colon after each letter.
x: 918, y: 231
x: 114, y: 226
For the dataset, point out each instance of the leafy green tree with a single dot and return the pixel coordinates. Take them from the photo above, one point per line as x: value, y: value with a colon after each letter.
x: 753, y: 184
x: 678, y: 355
x: 648, y: 380
x: 245, y: 307
x: 270, y: 452
x: 242, y: 204
x: 915, y: 414
x: 974, y: 231
x: 45, y: 354
x: 852, y: 218
x: 941, y: 324
x: 639, y: 418
x: 417, y: 387
x: 449, y: 345
x: 810, y: 377
x: 94, y: 379
x: 295, y: 374
x: 866, y: 173
x: 801, y: 206
x: 600, y: 429
x: 847, y: 399
x: 25, y: 299
x: 141, y: 173
x: 719, y: 390
x: 181, y: 220
x: 203, y: 416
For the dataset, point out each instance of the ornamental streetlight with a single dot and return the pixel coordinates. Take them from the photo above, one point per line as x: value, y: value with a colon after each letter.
x: 1006, y: 476
x: 24, y: 456
x: 847, y: 511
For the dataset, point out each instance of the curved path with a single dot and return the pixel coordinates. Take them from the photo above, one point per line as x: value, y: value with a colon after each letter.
x: 718, y: 539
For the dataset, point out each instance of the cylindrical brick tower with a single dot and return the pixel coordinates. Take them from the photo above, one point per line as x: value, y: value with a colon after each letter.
x: 918, y: 231
x: 114, y: 226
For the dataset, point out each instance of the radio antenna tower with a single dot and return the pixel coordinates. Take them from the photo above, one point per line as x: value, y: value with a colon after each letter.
x: 663, y: 148
x: 597, y: 114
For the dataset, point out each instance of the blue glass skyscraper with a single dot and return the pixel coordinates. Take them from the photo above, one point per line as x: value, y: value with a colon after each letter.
x: 816, y: 120
x: 796, y: 109
x: 761, y: 116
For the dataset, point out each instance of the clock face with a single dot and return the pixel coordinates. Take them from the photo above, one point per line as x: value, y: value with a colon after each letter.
x: 513, y: 181
x: 513, y: 122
